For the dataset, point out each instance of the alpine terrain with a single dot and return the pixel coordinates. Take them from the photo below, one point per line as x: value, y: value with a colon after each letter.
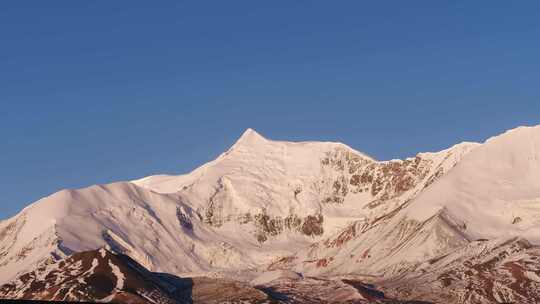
x: 293, y: 222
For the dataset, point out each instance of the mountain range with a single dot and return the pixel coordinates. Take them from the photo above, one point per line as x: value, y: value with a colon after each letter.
x: 293, y: 222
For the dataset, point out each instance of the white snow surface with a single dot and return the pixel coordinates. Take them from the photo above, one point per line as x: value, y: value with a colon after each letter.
x: 120, y: 277
x: 274, y: 275
x: 494, y: 190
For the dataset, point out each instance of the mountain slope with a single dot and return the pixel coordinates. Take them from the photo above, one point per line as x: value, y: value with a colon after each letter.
x: 494, y: 190
x: 88, y: 276
x: 155, y: 229
x: 101, y: 276
x: 491, y: 194
x: 258, y: 200
x: 496, y: 271
x: 383, y: 249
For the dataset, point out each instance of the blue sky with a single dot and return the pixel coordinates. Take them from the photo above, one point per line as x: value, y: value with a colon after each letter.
x: 94, y: 92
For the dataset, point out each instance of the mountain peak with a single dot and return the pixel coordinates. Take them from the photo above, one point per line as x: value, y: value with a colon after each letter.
x: 250, y: 137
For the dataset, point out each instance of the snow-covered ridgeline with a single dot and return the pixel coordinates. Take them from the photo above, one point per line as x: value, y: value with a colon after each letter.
x: 264, y: 199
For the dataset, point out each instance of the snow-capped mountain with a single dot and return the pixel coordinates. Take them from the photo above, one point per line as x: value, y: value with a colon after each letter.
x: 457, y: 239
x: 314, y: 208
x: 259, y: 199
x: 494, y: 191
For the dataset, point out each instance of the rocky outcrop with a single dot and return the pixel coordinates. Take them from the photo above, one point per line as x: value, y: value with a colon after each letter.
x: 311, y: 225
x: 384, y: 181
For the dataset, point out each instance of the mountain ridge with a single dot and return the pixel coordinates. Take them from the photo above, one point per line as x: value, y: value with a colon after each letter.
x: 317, y: 208
x: 225, y: 178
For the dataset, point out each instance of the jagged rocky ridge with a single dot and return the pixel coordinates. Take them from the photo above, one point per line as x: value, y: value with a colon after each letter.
x: 317, y: 208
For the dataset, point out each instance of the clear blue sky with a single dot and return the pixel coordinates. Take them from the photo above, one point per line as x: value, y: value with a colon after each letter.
x: 99, y: 91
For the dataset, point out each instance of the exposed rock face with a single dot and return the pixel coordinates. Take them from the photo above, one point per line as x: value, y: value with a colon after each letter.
x: 267, y: 226
x: 383, y: 180
x: 387, y: 184
x: 311, y: 225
